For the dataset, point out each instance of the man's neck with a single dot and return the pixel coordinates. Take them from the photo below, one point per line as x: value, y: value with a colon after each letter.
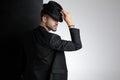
x: 43, y: 25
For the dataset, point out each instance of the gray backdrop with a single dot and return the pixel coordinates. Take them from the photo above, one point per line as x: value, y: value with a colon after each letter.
x: 99, y: 23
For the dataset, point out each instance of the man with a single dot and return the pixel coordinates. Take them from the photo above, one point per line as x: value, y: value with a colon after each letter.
x: 45, y: 59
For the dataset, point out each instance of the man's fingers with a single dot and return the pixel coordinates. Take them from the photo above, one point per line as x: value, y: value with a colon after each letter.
x: 62, y: 12
x: 63, y: 15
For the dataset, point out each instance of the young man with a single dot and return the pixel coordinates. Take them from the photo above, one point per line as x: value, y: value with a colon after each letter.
x: 44, y: 50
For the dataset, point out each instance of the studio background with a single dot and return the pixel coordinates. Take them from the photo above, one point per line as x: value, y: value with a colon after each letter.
x: 99, y: 24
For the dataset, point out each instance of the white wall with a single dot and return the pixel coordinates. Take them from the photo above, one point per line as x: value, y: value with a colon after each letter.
x: 99, y: 23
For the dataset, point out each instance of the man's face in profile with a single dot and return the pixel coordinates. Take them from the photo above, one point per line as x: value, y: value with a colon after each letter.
x: 51, y: 23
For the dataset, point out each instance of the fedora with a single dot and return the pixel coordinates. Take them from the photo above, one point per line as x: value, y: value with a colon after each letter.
x: 53, y: 9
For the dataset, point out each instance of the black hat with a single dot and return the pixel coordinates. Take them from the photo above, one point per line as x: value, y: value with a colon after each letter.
x: 53, y: 9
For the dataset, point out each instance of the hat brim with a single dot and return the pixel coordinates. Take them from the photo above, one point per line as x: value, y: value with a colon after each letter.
x: 56, y: 17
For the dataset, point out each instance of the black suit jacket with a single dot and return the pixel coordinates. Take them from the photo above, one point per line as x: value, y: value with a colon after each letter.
x: 45, y: 54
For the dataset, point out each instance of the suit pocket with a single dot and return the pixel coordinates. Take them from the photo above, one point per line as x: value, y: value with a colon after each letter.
x: 58, y: 76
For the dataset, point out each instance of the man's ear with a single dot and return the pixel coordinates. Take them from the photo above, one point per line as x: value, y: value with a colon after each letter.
x: 44, y: 19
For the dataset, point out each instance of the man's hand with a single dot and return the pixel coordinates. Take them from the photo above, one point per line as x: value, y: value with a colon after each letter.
x: 67, y: 17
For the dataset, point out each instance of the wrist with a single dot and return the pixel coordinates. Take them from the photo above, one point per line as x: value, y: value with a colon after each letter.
x: 71, y: 26
x: 69, y: 23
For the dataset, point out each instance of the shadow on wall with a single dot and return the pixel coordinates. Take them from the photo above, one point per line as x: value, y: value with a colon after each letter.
x: 17, y: 16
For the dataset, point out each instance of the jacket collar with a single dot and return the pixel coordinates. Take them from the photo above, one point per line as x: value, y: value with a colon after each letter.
x: 42, y: 28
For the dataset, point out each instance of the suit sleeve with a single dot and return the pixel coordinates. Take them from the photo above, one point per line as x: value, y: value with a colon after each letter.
x: 64, y: 45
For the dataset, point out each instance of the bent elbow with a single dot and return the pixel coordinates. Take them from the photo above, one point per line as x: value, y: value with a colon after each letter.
x: 78, y: 46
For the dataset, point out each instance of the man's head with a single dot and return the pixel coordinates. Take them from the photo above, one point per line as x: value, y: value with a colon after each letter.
x: 51, y: 15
